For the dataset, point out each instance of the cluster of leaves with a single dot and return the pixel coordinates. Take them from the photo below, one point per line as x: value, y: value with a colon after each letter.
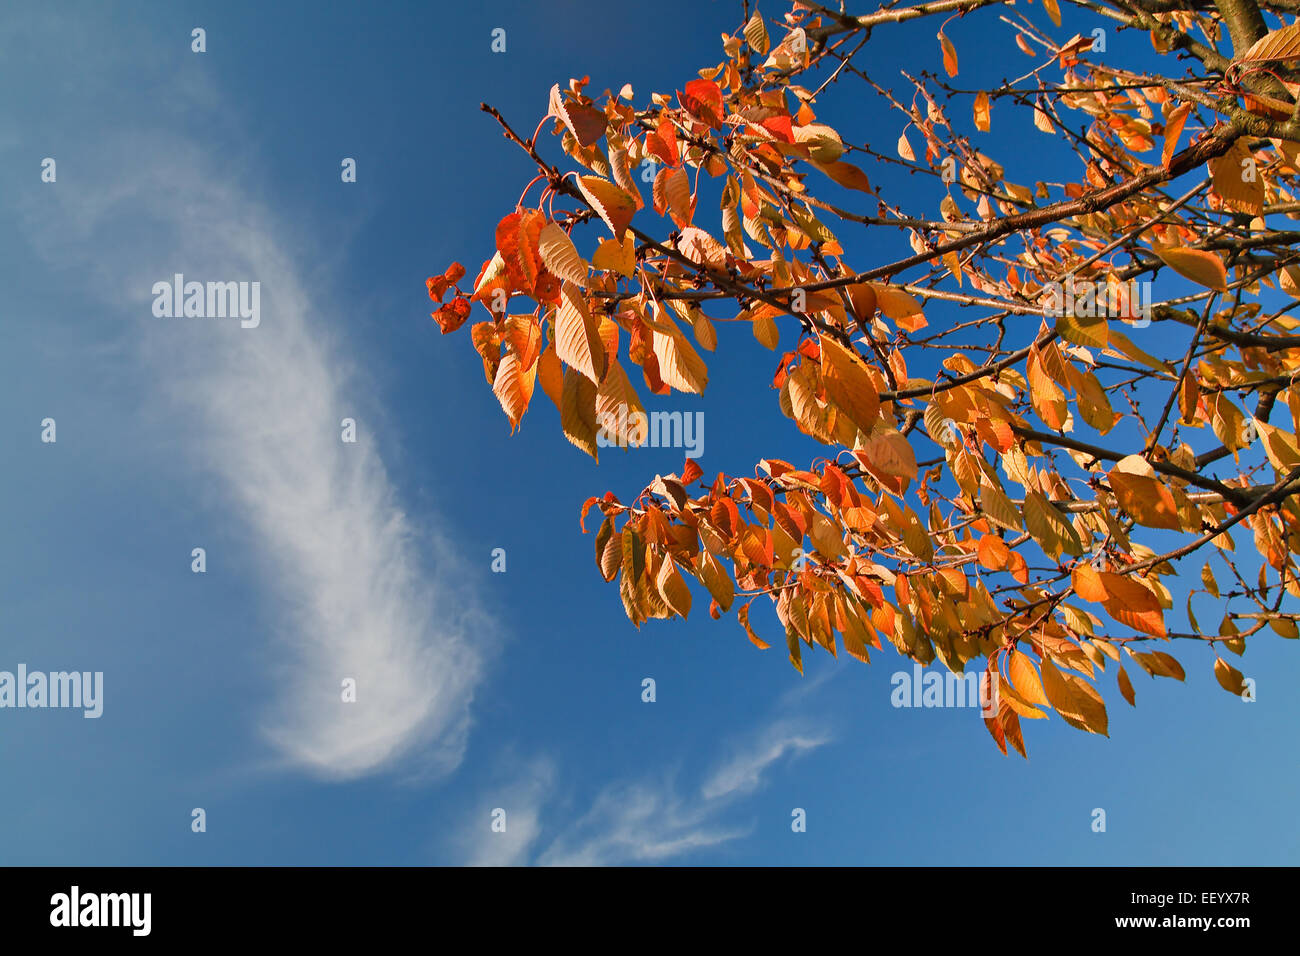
x: 1044, y: 583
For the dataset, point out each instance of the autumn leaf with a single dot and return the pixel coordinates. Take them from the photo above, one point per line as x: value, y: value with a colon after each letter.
x: 703, y: 100
x: 585, y: 122
x: 982, y: 111
x: 1149, y: 501
x: 614, y: 205
x: 1074, y: 699
x: 1025, y: 679
x: 514, y: 387
x: 849, y: 384
x: 560, y: 255
x: 1229, y: 678
x: 578, y: 411
x: 949, y: 54
x: 616, y: 256
x: 1031, y: 434
x: 1200, y: 266
x: 452, y: 315
x: 680, y: 366
x: 577, y: 335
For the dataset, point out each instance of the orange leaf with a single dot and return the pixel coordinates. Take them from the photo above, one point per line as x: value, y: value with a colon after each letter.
x: 949, y: 54
x: 703, y: 100
x: 1200, y: 266
x: 614, y: 205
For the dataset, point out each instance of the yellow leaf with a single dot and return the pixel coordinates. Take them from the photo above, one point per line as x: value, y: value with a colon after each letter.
x: 993, y: 552
x: 671, y: 585
x: 1237, y: 181
x: 905, y: 148
x: 756, y: 33
x: 560, y: 255
x: 765, y: 330
x: 1157, y: 663
x: 999, y: 509
x: 1125, y: 599
x: 704, y: 332
x: 1049, y: 528
x: 620, y: 416
x: 1285, y: 627
x: 1089, y: 331
x: 1074, y: 699
x: 578, y: 411
x: 1043, y: 121
x: 1229, y: 677
x: 887, y: 454
x: 577, y: 335
x: 1207, y: 578
x: 680, y: 366
x: 895, y: 303
x: 1053, y: 11
x: 616, y: 257
x: 717, y: 580
x: 1122, y: 344
x: 846, y: 174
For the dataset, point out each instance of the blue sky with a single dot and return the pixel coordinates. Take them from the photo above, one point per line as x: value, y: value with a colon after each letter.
x: 476, y: 690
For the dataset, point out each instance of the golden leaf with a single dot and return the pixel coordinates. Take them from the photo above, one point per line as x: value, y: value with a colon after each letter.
x: 578, y: 411
x: 1202, y: 267
x: 982, y: 110
x: 1229, y: 678
x: 1025, y: 679
x: 849, y: 384
x: 561, y: 256
x: 614, y: 205
x: 577, y: 335
x: 1074, y: 699
x: 513, y: 387
x: 616, y: 256
x: 680, y: 366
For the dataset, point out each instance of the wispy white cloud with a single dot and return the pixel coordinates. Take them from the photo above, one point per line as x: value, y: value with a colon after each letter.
x: 521, y: 799
x: 645, y: 821
x: 353, y: 592
x: 743, y: 773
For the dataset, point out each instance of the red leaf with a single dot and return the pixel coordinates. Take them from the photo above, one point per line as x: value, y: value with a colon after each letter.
x: 452, y: 315
x: 438, y: 285
x: 703, y: 100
